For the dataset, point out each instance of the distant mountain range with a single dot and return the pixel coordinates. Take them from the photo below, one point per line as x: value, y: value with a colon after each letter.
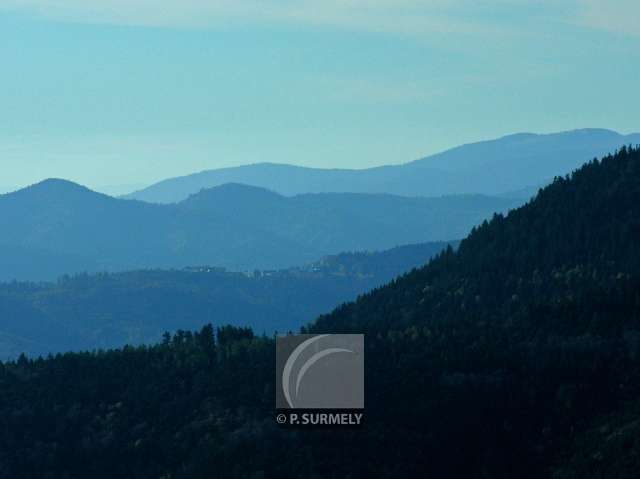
x: 515, y: 356
x: 58, y: 227
x: 108, y: 310
x: 497, y: 167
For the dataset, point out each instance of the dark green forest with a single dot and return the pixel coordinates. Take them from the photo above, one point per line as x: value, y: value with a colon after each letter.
x: 92, y: 311
x: 515, y: 356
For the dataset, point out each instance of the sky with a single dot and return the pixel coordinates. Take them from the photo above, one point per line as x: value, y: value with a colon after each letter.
x: 122, y: 93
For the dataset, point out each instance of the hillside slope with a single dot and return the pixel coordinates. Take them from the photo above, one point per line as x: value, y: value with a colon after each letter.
x: 58, y: 227
x: 86, y: 312
x: 497, y: 360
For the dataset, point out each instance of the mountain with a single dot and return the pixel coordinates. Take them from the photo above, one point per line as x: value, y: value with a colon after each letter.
x: 515, y: 356
x: 108, y: 310
x: 379, y: 264
x: 58, y: 227
x: 493, y: 167
x: 523, y: 341
x: 60, y: 219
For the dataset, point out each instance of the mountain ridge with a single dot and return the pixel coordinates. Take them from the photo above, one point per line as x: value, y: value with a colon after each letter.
x: 234, y: 226
x: 492, y: 167
x: 104, y: 310
x: 517, y: 355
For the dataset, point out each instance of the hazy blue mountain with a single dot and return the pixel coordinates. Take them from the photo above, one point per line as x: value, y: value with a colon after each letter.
x: 512, y: 163
x: 516, y: 356
x: 24, y: 264
x: 110, y: 310
x: 58, y: 227
x: 379, y: 264
x: 58, y: 219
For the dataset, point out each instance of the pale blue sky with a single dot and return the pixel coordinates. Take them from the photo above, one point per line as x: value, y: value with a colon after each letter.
x: 114, y: 92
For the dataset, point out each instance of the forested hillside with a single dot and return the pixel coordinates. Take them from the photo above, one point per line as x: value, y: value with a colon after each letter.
x: 91, y: 311
x: 515, y: 356
x: 57, y: 227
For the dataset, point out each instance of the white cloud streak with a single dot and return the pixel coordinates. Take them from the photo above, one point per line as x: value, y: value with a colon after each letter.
x: 619, y: 16
x: 390, y: 16
x: 408, y: 17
